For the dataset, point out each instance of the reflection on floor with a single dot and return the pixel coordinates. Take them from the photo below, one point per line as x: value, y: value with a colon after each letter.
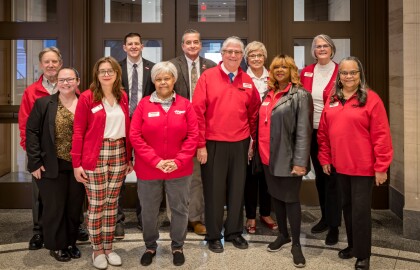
x: 390, y: 251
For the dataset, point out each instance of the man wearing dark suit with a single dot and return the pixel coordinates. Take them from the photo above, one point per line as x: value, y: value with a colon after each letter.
x: 190, y: 66
x: 137, y: 83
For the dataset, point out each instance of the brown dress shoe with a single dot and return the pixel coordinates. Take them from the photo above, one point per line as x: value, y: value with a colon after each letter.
x: 198, y: 227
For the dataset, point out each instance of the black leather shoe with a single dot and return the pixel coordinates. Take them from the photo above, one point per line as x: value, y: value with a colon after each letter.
x: 346, y: 253
x: 238, y: 242
x: 36, y: 242
x: 332, y: 236
x: 319, y: 227
x: 60, y: 255
x: 74, y: 252
x: 83, y: 234
x: 215, y: 246
x: 362, y: 264
x: 178, y: 257
x: 147, y: 257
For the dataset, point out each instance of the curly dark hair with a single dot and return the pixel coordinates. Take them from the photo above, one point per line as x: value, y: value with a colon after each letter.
x: 361, y: 89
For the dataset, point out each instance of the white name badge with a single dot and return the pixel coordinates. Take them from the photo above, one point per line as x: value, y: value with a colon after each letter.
x: 179, y: 112
x: 247, y: 85
x: 308, y: 74
x: 265, y: 103
x: 153, y: 114
x: 335, y: 104
x: 97, y: 108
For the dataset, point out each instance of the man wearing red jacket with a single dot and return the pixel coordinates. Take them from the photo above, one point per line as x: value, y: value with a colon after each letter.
x: 50, y: 62
x: 226, y: 102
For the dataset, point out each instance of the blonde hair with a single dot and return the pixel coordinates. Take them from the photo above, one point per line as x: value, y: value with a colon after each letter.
x: 284, y: 60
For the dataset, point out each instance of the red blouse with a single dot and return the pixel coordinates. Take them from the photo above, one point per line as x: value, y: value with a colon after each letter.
x: 265, y: 121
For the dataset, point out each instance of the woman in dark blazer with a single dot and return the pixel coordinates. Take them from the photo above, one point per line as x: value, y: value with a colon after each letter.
x: 284, y: 143
x: 48, y: 143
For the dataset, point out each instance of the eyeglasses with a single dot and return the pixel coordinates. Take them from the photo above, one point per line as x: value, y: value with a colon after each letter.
x: 110, y: 72
x: 320, y: 47
x: 68, y: 80
x: 231, y: 52
x: 253, y: 56
x: 163, y: 80
x: 351, y: 73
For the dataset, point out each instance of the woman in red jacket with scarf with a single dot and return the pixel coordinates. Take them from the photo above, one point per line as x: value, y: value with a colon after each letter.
x: 164, y: 134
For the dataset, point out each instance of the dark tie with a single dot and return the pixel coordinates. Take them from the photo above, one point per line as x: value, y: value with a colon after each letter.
x: 231, y: 75
x: 194, y: 78
x: 134, y: 89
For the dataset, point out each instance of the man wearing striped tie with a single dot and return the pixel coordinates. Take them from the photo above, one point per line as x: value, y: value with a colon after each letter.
x: 190, y: 66
x: 137, y: 83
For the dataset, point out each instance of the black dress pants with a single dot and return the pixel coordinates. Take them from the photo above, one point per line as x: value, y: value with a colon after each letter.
x: 256, y: 190
x: 223, y: 179
x: 63, y: 199
x: 357, y: 200
x: 327, y: 187
x: 37, y: 208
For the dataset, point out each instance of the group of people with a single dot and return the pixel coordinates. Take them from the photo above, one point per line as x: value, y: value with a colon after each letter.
x: 208, y: 136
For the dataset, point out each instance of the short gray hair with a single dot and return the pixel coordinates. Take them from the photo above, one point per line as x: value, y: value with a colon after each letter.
x: 164, y: 67
x: 50, y: 49
x: 327, y: 39
x: 232, y: 40
x: 255, y: 46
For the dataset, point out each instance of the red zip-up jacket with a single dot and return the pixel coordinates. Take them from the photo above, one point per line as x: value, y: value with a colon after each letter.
x: 307, y: 78
x: 157, y: 135
x: 31, y: 93
x: 355, y: 140
x: 225, y: 111
x: 89, y: 128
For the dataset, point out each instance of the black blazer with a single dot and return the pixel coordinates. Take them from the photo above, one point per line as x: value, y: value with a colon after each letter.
x: 182, y: 85
x: 40, y: 136
x: 148, y: 86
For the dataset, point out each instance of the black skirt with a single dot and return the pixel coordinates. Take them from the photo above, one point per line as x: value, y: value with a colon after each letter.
x: 286, y: 189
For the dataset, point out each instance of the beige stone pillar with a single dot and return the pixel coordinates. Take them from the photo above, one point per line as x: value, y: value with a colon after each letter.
x: 411, y: 92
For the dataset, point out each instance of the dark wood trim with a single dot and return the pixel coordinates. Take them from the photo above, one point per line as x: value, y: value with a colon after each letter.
x: 249, y: 30
x: 377, y: 71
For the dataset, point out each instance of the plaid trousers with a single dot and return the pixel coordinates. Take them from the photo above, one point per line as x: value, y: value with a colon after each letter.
x: 103, y: 189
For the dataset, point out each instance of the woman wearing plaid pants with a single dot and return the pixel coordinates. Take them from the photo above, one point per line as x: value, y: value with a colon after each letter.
x: 101, y: 154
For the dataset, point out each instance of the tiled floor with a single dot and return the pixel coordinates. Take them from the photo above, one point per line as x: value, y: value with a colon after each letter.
x: 390, y: 251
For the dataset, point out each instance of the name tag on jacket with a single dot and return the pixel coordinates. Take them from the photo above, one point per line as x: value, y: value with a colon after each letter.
x: 97, y: 108
x: 153, y: 114
x: 335, y: 104
x: 247, y: 85
x: 308, y: 74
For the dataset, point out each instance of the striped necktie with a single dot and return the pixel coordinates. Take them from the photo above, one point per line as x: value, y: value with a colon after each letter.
x: 194, y: 78
x: 134, y: 90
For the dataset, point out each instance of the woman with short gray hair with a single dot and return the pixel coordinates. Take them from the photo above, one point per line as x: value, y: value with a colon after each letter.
x: 318, y: 78
x: 164, y: 134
